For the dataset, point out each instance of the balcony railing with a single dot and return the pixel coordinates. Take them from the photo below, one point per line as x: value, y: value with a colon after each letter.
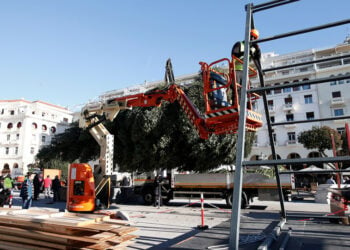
x: 337, y: 101
x: 288, y: 107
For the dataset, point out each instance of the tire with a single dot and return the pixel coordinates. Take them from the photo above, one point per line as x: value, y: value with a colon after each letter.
x: 244, y: 200
x: 148, y: 196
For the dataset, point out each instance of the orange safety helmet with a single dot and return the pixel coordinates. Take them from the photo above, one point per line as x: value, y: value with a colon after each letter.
x: 254, y: 33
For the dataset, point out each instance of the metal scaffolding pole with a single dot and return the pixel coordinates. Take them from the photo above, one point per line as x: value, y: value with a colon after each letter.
x: 238, y: 177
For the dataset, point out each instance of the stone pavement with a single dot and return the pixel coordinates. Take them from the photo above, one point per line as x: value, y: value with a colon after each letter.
x: 175, y: 226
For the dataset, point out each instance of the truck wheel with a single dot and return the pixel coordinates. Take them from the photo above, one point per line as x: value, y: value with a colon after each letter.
x: 148, y: 197
x: 244, y: 201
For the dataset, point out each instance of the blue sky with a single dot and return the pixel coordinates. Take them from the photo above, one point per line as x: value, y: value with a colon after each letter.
x: 69, y: 52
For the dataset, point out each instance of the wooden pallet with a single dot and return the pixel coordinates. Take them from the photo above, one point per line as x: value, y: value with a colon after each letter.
x: 44, y: 229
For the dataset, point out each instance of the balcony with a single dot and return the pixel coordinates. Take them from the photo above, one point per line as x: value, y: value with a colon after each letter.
x: 288, y: 107
x: 292, y: 125
x: 291, y: 143
x: 337, y: 101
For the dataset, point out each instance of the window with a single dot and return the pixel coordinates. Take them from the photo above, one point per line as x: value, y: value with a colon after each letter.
x: 296, y: 88
x: 338, y: 112
x: 348, y: 75
x: 341, y: 131
x: 272, y: 119
x: 44, y: 127
x: 10, y: 125
x: 8, y: 137
x: 65, y: 119
x: 310, y: 116
x: 43, y: 138
x: 277, y: 91
x: 16, y: 150
x: 291, y: 137
x: 290, y: 117
x: 336, y: 94
x: 19, y: 124
x: 308, y: 99
x: 332, y: 82
x: 17, y: 137
x: 268, y: 92
x: 34, y: 125
x: 32, y: 150
x: 7, y: 150
x: 12, y: 112
x: 287, y: 89
x: 288, y: 101
x: 53, y: 130
x: 306, y: 86
x: 270, y: 105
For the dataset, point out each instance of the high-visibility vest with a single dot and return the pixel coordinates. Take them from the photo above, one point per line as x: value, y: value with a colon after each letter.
x: 8, y: 183
x: 239, y: 53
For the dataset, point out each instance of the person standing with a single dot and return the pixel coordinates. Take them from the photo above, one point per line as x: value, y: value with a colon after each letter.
x: 47, y: 186
x: 56, y: 186
x: 238, y: 52
x: 330, y: 180
x: 37, y: 183
x: 26, y: 192
x: 8, y: 183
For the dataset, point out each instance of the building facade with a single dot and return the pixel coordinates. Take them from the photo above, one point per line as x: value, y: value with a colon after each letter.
x: 25, y: 127
x: 306, y: 102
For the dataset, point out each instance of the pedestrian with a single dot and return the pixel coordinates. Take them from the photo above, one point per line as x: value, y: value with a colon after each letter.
x: 56, y: 186
x: 238, y: 52
x: 8, y: 183
x: 330, y: 180
x: 26, y: 192
x: 47, y: 186
x: 37, y: 183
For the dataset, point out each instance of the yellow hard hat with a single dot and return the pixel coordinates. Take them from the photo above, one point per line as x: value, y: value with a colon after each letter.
x: 254, y: 33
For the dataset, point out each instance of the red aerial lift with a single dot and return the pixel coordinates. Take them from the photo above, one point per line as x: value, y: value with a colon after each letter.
x: 221, y: 98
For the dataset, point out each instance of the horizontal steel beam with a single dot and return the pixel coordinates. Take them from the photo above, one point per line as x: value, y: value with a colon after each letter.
x: 271, y: 4
x: 296, y: 161
x: 298, y: 32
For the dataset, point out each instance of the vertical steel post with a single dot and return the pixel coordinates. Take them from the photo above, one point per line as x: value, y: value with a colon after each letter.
x: 238, y: 177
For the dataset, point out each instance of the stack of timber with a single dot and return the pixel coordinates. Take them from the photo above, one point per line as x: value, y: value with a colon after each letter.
x: 47, y: 229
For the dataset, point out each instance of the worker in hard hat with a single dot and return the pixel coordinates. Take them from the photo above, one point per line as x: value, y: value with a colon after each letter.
x: 238, y: 52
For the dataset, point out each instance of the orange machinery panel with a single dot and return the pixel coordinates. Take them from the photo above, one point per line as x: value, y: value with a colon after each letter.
x: 81, y: 188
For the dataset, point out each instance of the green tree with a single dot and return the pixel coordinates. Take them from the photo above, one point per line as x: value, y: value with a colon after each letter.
x: 320, y: 138
x: 151, y: 138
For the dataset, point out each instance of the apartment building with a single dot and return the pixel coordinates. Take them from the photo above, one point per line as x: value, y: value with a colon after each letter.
x: 25, y: 127
x: 306, y: 102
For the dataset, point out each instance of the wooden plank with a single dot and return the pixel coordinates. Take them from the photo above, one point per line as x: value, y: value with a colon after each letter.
x: 112, y: 244
x: 45, y: 236
x: 15, y: 246
x: 25, y: 241
x: 102, y: 236
x: 123, y: 230
x: 124, y: 238
x: 118, y: 222
x: 48, y: 227
x: 96, y: 217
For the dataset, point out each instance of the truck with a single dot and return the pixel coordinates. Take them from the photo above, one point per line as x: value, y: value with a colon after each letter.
x: 90, y: 188
x: 212, y: 186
